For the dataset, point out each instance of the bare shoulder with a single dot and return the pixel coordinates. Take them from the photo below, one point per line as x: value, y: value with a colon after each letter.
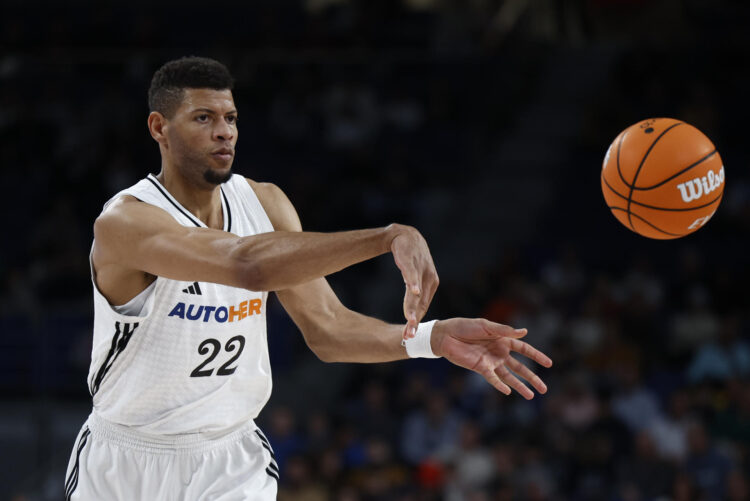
x: 121, y: 211
x: 127, y: 211
x: 120, y: 207
x: 279, y: 209
x: 125, y: 221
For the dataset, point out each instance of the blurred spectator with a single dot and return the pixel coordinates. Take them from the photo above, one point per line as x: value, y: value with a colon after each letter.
x: 534, y: 475
x: 350, y: 115
x: 577, y: 406
x: 708, y: 467
x: 587, y: 329
x: 283, y: 435
x: 683, y: 488
x: 634, y: 403
x: 695, y: 326
x: 728, y: 357
x: 645, y: 475
x: 565, y: 276
x: 732, y: 423
x: 299, y: 484
x: 472, y: 464
x: 351, y: 445
x: 372, y: 412
x: 430, y: 432
x: 738, y: 486
x: 330, y: 467
x: 669, y: 432
x: 380, y: 478
x: 609, y: 432
x: 318, y: 435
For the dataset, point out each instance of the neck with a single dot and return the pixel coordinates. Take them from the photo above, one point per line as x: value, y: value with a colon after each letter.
x: 203, y: 201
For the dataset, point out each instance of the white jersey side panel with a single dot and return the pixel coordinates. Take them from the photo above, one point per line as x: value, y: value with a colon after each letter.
x: 196, y: 359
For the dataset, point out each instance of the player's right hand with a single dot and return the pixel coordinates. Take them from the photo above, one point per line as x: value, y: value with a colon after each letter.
x: 413, y: 258
x: 486, y: 348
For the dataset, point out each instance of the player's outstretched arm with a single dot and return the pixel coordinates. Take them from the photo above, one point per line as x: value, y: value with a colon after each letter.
x: 338, y: 334
x: 132, y: 235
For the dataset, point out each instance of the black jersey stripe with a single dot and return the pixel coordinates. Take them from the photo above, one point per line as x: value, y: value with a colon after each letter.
x: 229, y: 211
x: 272, y: 474
x: 273, y: 467
x: 81, y: 442
x: 262, y: 436
x: 268, y: 448
x: 191, y: 289
x: 100, y: 373
x: 72, y: 481
x: 264, y: 441
x: 119, y: 343
x: 197, y: 288
x: 161, y: 190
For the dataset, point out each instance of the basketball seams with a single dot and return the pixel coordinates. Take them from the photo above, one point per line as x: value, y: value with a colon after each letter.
x: 683, y: 171
x: 640, y: 166
x: 676, y: 235
x: 686, y: 209
x: 664, y: 180
x: 619, y: 171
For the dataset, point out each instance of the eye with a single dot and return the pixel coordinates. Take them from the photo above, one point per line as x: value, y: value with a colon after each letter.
x: 202, y: 118
x: 232, y: 119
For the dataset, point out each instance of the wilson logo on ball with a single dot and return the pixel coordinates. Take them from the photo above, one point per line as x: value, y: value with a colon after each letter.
x: 701, y: 186
x: 662, y: 178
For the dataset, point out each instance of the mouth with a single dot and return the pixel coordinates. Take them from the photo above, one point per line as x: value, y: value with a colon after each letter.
x: 223, y: 154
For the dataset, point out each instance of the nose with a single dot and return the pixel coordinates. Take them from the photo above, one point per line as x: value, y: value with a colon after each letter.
x: 224, y: 131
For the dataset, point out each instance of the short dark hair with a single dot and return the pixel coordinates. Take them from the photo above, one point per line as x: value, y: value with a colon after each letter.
x: 171, y: 80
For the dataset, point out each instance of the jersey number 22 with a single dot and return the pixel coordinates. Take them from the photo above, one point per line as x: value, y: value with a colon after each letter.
x: 214, y: 347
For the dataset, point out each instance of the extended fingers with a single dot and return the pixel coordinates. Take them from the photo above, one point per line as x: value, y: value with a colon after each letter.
x: 493, y: 329
x: 527, y: 374
x: 529, y: 351
x: 491, y: 376
x: 511, y: 380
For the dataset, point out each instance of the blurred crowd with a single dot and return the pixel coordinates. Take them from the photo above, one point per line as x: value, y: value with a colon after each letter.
x: 649, y: 399
x: 367, y: 113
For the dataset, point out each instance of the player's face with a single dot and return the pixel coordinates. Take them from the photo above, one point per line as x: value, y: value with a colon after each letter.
x: 202, y: 134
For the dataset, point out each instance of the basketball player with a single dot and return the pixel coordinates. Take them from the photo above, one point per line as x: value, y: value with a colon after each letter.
x: 182, y: 263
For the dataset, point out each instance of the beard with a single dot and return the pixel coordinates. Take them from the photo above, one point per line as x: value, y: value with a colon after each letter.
x: 194, y: 165
x: 216, y: 178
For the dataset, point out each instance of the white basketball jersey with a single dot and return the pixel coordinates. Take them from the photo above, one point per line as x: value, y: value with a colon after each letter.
x: 196, y: 358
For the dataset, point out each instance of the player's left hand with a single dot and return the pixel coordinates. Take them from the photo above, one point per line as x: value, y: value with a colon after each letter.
x: 485, y: 347
x: 412, y: 256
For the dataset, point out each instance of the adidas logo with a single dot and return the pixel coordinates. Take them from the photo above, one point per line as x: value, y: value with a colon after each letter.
x: 193, y: 289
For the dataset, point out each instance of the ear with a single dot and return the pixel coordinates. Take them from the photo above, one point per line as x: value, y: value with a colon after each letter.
x: 157, y: 125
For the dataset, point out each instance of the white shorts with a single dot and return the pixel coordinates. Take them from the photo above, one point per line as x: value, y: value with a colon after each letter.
x: 111, y: 462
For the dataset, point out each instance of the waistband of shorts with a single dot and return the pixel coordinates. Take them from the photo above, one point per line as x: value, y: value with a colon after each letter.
x: 191, y: 443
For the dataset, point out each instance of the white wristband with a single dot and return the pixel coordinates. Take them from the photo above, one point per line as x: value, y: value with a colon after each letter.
x: 419, y: 346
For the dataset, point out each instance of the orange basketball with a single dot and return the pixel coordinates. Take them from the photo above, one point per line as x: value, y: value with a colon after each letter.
x: 662, y: 178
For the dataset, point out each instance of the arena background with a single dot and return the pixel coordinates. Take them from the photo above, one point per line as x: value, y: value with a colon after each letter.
x: 484, y: 124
